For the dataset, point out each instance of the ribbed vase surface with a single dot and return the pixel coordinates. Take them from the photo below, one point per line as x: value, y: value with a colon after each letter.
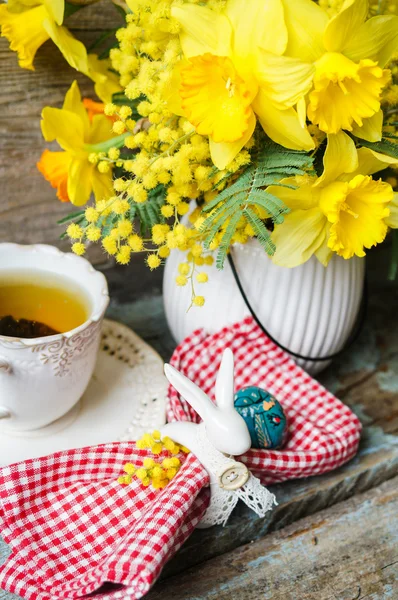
x: 309, y: 309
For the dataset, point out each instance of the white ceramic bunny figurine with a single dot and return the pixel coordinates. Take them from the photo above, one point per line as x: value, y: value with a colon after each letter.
x: 221, y: 435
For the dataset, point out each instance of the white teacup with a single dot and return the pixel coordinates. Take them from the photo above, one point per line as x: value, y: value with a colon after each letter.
x: 41, y: 379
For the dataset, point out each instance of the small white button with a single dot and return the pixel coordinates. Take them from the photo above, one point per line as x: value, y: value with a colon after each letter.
x: 233, y: 476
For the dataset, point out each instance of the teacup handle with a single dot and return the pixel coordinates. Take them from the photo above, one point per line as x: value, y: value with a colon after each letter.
x: 5, y: 368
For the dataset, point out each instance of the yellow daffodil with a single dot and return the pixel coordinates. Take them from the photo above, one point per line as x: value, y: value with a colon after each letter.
x: 71, y: 171
x: 343, y: 211
x: 233, y: 72
x: 106, y: 82
x: 349, y: 55
x: 27, y: 24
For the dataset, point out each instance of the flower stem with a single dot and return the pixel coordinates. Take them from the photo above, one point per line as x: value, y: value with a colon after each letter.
x: 116, y: 142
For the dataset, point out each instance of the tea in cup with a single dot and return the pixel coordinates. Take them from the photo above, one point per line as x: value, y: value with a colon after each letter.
x: 51, y: 308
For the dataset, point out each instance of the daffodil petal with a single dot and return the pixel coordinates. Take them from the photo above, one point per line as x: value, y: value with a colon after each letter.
x: 376, y: 39
x: 17, y: 6
x: 215, y: 99
x: 172, y: 95
x: 101, y: 129
x: 345, y: 93
x: 340, y: 157
x: 287, y: 80
x: 392, y: 219
x: 324, y: 253
x: 298, y: 237
x: 303, y: 197
x: 25, y: 32
x: 372, y: 128
x: 106, y: 82
x: 257, y: 25
x: 359, y: 220
x: 102, y: 185
x: 73, y: 51
x: 305, y: 22
x: 302, y: 111
x: 56, y: 9
x: 203, y: 30
x: 370, y: 162
x: 73, y: 103
x: 80, y: 181
x: 282, y: 126
x: 63, y: 126
x: 344, y: 26
x: 223, y: 153
x: 54, y: 166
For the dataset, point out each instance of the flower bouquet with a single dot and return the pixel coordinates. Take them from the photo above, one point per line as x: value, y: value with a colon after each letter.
x: 224, y: 122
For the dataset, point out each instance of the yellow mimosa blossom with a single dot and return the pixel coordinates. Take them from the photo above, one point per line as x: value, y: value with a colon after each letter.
x: 27, y: 24
x: 233, y: 72
x: 349, y: 54
x: 71, y: 171
x: 343, y: 211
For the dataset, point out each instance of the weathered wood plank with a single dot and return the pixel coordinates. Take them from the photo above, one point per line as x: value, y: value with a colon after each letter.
x: 29, y: 208
x: 349, y: 552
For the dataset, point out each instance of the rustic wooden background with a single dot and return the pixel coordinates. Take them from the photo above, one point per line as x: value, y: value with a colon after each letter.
x: 29, y: 208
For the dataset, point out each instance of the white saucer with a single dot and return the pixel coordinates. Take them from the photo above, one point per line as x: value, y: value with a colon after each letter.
x: 125, y: 398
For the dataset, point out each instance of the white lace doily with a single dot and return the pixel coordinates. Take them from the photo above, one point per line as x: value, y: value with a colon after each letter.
x: 126, y: 397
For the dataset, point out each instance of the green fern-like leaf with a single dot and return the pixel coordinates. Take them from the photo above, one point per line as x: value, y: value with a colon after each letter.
x: 385, y: 146
x: 148, y: 213
x: 269, y: 166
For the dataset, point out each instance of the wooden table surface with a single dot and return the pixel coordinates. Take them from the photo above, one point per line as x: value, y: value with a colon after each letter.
x: 332, y: 537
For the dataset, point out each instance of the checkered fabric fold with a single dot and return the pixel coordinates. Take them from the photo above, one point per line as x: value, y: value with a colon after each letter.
x: 323, y: 432
x: 72, y: 527
x: 74, y: 530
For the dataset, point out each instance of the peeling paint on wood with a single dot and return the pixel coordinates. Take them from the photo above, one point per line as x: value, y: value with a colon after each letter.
x: 355, y: 557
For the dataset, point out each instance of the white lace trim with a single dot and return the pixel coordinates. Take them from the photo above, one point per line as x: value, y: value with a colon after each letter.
x: 230, y: 481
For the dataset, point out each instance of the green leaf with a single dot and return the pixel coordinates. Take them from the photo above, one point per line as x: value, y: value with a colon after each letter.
x: 70, y: 9
x: 106, y: 52
x: 71, y: 217
x: 120, y: 99
x: 384, y: 146
x: 226, y: 240
x: 393, y: 270
x: 268, y: 167
x: 148, y: 213
x: 121, y: 11
x: 261, y: 231
x: 102, y: 38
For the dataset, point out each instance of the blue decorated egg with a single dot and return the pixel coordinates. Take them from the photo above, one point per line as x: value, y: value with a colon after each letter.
x: 263, y: 415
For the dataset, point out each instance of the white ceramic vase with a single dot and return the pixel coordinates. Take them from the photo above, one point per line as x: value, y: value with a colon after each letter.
x: 309, y: 309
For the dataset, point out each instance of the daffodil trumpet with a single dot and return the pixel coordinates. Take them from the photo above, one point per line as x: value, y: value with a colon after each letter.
x: 71, y: 171
x: 28, y: 24
x: 344, y: 210
x: 233, y: 73
x: 349, y: 55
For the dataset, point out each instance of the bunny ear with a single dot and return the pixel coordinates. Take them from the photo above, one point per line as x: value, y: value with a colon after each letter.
x: 225, y: 381
x: 190, y: 391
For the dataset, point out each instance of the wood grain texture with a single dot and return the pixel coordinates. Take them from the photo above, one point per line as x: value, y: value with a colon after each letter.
x: 349, y: 552
x: 376, y: 462
x: 29, y: 208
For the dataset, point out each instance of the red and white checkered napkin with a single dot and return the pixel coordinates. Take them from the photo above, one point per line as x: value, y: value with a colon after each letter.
x: 72, y: 527
x: 323, y: 432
